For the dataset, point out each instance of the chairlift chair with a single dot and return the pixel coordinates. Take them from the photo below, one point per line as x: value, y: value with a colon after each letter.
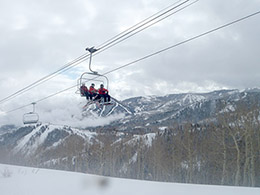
x: 92, y: 75
x: 31, y: 117
x: 82, y: 80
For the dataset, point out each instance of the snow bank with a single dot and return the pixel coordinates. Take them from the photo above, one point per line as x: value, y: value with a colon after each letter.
x: 33, y: 181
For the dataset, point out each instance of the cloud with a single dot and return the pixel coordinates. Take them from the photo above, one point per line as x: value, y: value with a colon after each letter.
x: 60, y: 111
x: 40, y: 37
x: 2, y: 113
x: 72, y: 116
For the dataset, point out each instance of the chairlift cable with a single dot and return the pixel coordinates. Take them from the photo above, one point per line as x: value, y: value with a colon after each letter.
x: 155, y: 53
x: 145, y: 27
x: 139, y: 23
x: 142, y: 24
x: 183, y: 42
x: 44, y: 79
x: 83, y: 57
x: 29, y: 87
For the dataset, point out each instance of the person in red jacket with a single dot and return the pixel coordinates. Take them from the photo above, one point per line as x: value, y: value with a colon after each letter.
x: 84, y: 91
x: 104, y: 93
x: 92, y: 91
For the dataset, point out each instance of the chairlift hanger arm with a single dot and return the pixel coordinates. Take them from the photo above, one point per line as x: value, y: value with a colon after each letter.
x: 91, y: 51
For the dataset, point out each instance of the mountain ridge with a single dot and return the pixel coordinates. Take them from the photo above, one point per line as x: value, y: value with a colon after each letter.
x: 161, y: 129
x: 162, y: 110
x: 144, y: 115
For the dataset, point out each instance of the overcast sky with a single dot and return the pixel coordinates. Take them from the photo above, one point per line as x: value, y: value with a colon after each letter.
x: 39, y: 37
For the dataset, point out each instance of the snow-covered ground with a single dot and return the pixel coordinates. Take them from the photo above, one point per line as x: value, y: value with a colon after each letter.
x: 16, y: 180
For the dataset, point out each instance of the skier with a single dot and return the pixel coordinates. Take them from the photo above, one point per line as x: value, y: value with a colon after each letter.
x: 84, y: 91
x: 92, y: 91
x: 104, y: 93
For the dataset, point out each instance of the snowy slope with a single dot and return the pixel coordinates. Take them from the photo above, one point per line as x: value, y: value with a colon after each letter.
x: 33, y: 181
x: 116, y: 108
x: 49, y: 136
x: 29, y: 140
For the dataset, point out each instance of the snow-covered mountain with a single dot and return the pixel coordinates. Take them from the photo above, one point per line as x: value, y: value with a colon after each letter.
x: 142, y: 115
x: 6, y: 128
x: 53, y: 146
x: 39, y: 140
x: 160, y: 111
x: 151, y: 105
x: 101, y: 110
x: 131, y: 142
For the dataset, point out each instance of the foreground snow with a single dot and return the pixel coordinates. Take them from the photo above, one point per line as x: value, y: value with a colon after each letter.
x: 15, y: 180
